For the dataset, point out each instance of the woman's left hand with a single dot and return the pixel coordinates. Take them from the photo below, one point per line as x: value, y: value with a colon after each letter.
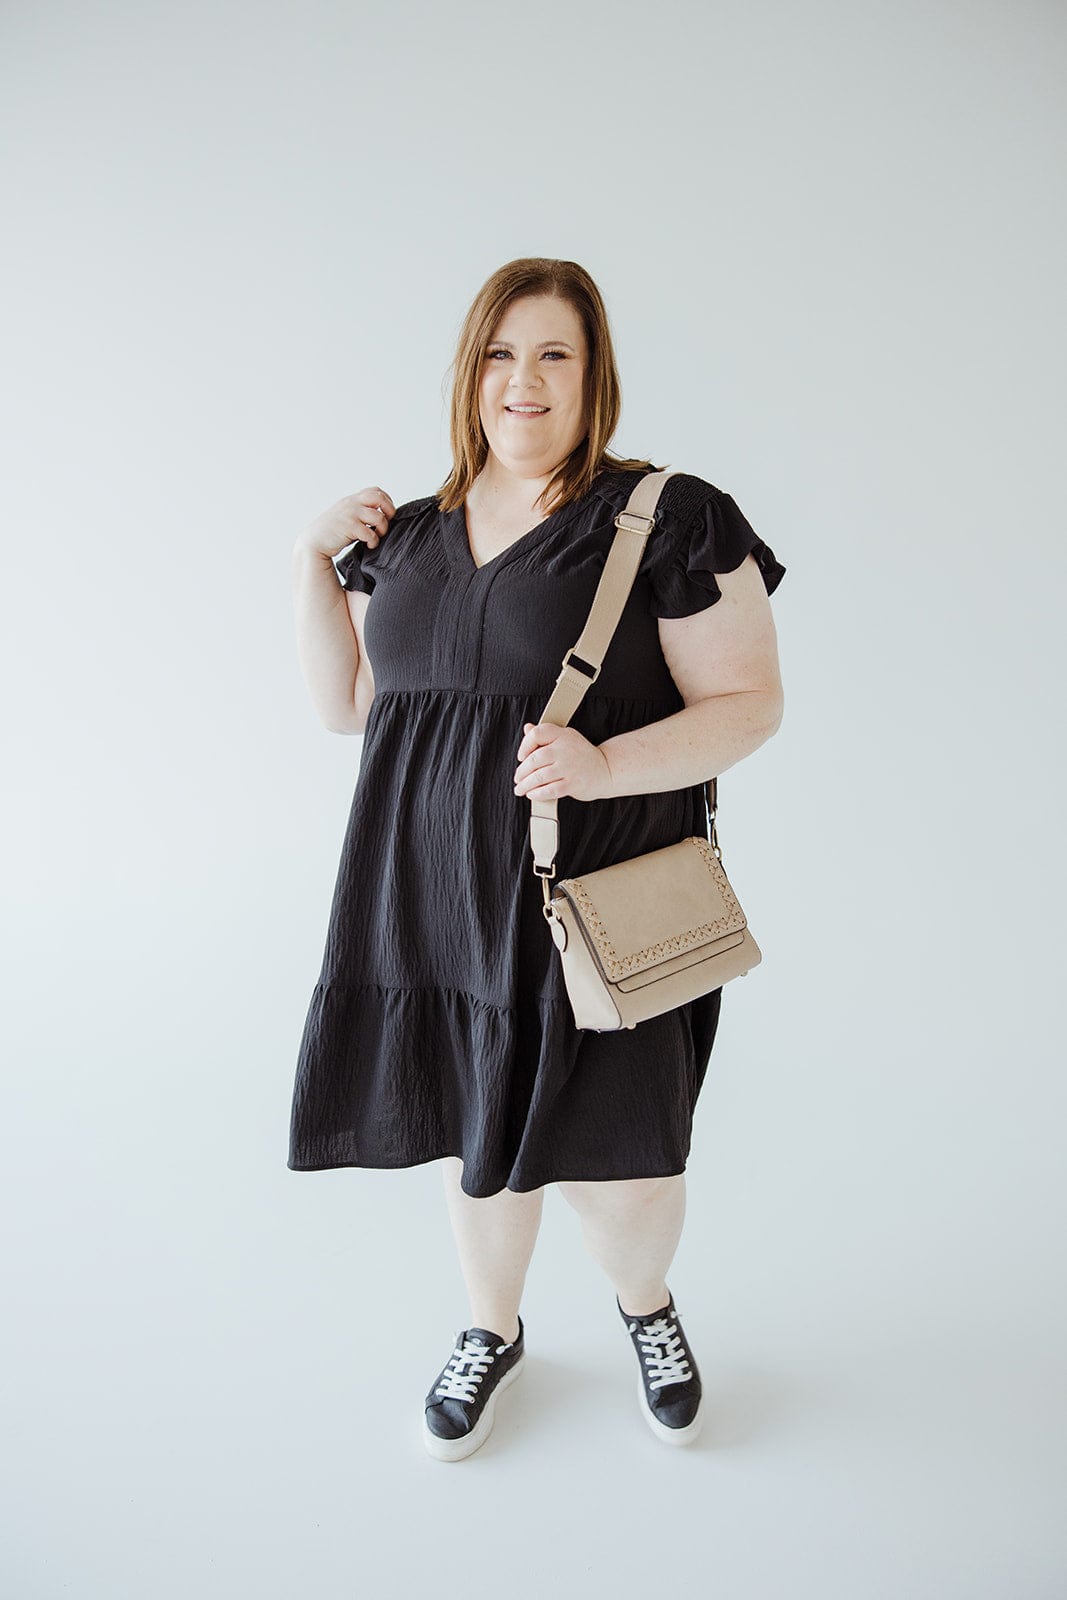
x: 560, y: 761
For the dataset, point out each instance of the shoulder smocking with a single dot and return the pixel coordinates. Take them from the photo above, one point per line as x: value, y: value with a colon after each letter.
x: 355, y: 567
x: 700, y: 530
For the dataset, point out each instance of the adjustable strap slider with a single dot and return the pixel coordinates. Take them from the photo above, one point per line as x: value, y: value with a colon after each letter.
x: 586, y: 668
x: 633, y: 522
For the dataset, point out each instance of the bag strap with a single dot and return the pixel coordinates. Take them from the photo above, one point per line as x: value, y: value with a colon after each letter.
x: 633, y: 525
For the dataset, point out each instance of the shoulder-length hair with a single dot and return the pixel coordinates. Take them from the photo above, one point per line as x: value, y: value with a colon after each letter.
x: 534, y: 275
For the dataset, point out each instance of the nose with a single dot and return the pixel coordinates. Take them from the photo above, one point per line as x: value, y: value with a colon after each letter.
x: 525, y: 374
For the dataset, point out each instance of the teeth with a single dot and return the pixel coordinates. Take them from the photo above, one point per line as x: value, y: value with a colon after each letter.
x: 526, y: 408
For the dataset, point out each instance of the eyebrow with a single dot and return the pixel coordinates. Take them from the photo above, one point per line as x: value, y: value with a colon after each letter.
x: 540, y: 346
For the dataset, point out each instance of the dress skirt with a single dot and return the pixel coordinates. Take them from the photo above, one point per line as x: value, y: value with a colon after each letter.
x: 440, y: 1022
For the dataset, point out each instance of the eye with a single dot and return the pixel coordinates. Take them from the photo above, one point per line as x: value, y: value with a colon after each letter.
x: 561, y: 353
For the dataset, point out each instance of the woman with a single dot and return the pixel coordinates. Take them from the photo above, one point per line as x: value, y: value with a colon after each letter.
x: 440, y: 1027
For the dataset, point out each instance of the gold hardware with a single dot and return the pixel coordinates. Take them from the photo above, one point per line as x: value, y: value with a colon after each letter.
x: 556, y: 927
x: 626, y: 520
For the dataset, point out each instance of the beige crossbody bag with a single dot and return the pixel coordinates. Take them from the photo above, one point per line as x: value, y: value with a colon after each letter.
x: 645, y: 935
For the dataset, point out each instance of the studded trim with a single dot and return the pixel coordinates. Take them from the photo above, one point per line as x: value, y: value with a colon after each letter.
x: 618, y: 966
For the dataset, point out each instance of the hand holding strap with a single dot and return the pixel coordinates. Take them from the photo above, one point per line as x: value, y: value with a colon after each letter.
x: 582, y: 662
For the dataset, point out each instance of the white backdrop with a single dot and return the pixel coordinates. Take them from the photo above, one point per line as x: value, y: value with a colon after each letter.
x: 241, y: 239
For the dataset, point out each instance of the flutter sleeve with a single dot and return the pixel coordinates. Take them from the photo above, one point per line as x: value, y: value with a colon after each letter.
x: 706, y: 533
x: 356, y: 567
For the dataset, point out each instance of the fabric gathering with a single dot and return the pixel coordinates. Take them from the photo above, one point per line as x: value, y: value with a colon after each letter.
x: 439, y: 1023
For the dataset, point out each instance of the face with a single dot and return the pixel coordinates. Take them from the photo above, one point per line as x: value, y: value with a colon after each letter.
x: 537, y: 356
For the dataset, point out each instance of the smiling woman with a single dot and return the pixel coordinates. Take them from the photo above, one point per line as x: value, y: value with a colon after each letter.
x: 531, y: 405
x: 440, y: 1028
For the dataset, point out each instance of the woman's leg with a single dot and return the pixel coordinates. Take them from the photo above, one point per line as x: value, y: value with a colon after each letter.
x: 632, y: 1227
x: 495, y: 1238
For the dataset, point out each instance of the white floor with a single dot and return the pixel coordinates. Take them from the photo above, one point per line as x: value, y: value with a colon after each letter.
x: 198, y: 1408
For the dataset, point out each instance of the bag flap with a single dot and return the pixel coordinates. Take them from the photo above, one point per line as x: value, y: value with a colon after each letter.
x: 638, y: 913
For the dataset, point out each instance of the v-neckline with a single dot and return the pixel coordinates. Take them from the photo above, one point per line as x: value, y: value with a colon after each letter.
x: 480, y: 566
x: 457, y: 520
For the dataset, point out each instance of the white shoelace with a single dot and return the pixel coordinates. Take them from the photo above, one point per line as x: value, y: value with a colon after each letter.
x: 470, y: 1361
x: 664, y: 1354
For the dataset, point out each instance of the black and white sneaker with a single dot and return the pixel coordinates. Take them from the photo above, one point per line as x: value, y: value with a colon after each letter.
x: 669, y: 1387
x: 458, y: 1413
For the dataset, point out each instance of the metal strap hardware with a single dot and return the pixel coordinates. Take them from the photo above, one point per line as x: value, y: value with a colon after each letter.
x: 584, y: 667
x: 616, y: 581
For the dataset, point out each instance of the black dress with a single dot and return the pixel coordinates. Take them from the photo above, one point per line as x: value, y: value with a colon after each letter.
x: 440, y: 1023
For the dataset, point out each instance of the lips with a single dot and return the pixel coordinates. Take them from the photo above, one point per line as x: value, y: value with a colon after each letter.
x: 536, y: 411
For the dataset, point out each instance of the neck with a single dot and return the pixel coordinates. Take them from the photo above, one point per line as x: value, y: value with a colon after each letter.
x: 496, y: 488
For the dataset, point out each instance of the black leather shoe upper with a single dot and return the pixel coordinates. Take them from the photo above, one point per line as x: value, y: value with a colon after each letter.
x: 467, y: 1379
x: 668, y: 1367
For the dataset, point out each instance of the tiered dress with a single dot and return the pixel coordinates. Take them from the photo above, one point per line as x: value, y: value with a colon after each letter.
x: 440, y: 1022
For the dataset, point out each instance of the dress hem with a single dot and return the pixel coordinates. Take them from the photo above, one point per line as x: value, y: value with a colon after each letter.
x: 423, y: 1161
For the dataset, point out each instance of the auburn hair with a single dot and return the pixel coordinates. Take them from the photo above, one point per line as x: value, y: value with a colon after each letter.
x: 536, y: 275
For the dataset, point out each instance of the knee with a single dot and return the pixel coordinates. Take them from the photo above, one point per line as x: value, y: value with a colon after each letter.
x: 617, y: 1194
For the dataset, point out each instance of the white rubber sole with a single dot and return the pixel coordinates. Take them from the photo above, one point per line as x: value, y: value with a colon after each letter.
x: 684, y: 1435
x: 456, y: 1449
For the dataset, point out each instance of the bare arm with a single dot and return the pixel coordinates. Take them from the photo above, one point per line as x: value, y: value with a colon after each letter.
x: 724, y: 661
x: 329, y: 619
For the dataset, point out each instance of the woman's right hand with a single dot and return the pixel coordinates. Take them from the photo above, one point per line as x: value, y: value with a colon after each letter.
x: 364, y: 515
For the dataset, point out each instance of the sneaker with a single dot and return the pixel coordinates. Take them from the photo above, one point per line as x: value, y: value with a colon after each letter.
x: 669, y: 1387
x: 458, y: 1414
